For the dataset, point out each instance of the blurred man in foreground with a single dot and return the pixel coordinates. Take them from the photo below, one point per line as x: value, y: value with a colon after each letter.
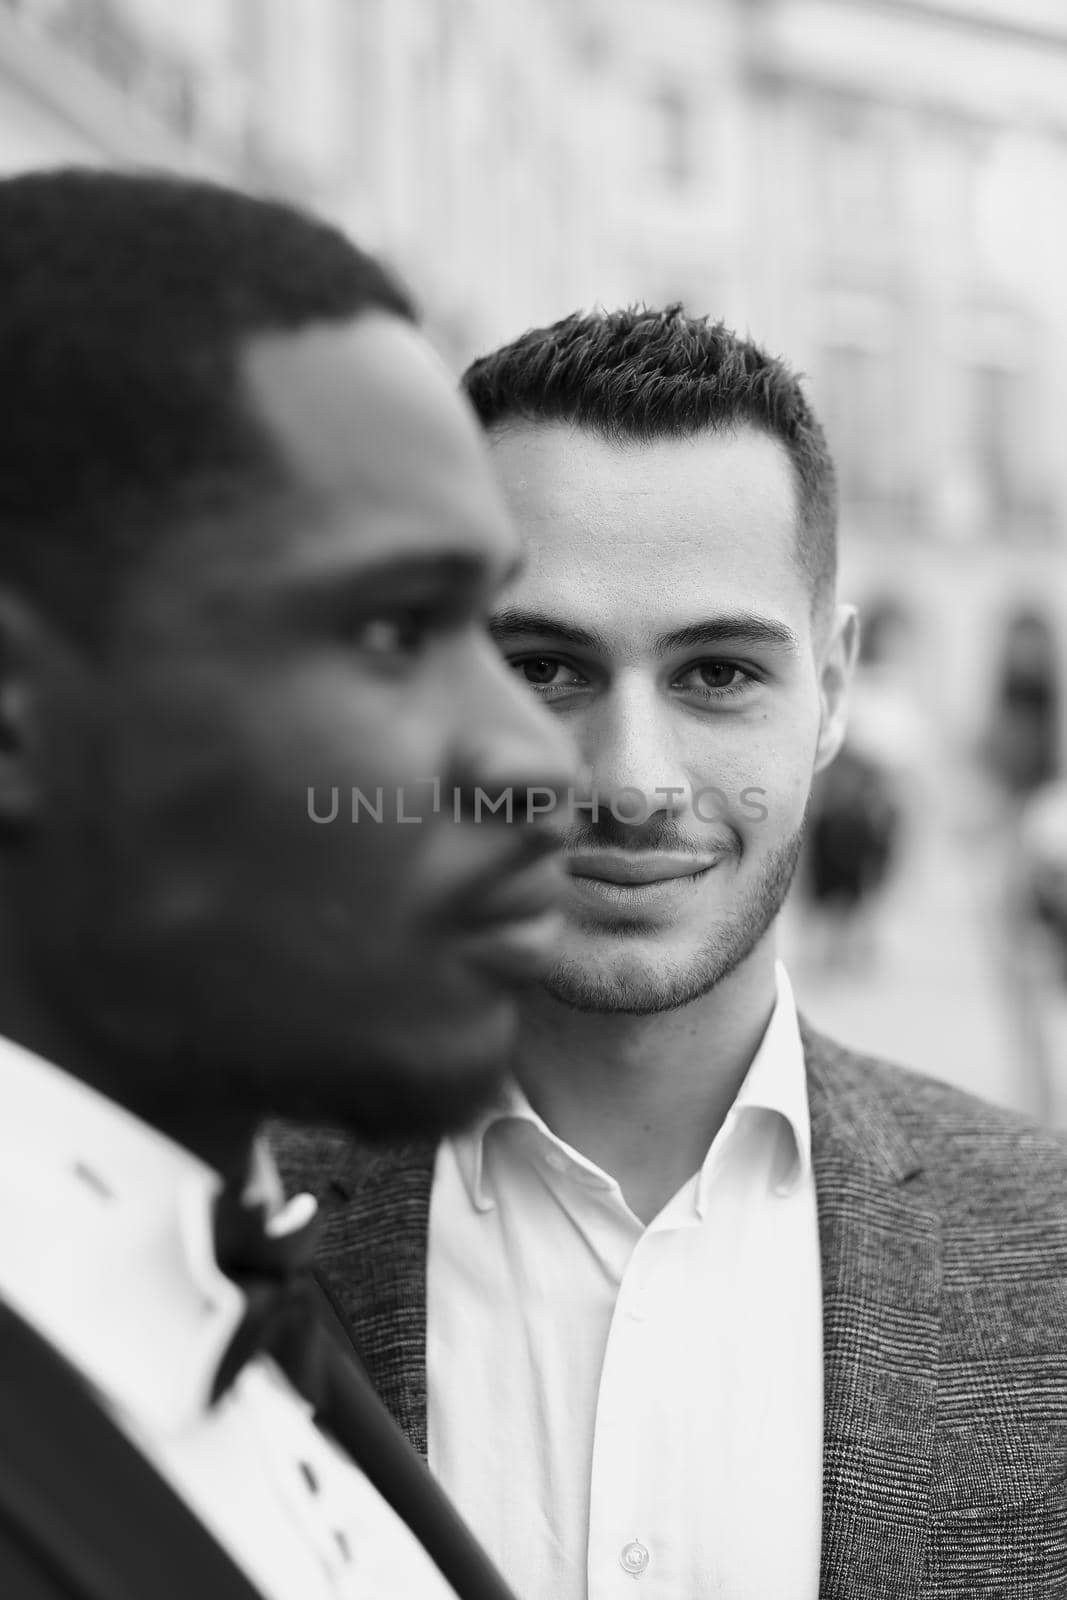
x: 708, y: 1302
x: 247, y: 538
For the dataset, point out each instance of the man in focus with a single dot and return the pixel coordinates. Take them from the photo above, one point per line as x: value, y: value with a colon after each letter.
x: 707, y: 1303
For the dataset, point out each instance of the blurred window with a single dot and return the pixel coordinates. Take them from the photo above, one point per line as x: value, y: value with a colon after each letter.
x: 670, y: 121
x: 858, y: 175
x: 594, y: 47
x: 996, y: 394
x: 991, y: 421
x: 857, y: 389
x: 1014, y: 493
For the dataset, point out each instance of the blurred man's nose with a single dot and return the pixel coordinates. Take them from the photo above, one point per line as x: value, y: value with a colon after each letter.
x: 510, y: 745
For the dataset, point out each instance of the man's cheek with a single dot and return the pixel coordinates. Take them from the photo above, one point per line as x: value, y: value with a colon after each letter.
x: 712, y: 804
x: 753, y: 803
x: 771, y: 811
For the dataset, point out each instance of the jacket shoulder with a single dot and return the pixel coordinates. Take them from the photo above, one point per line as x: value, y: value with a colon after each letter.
x: 335, y: 1166
x: 320, y: 1161
x: 976, y: 1155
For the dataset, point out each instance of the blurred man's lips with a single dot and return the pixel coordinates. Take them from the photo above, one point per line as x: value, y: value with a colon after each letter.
x: 518, y: 949
x: 513, y: 895
x: 511, y: 925
x: 640, y: 867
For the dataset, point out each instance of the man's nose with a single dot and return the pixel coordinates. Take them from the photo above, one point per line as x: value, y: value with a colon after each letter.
x: 631, y: 747
x: 512, y: 746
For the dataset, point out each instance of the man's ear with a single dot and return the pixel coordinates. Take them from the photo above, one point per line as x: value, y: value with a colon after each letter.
x: 837, y: 663
x: 25, y: 650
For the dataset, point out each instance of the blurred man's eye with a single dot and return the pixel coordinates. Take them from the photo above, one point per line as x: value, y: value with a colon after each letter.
x: 393, y: 634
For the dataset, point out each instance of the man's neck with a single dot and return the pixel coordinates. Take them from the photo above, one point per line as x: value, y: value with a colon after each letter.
x: 643, y: 1097
x: 221, y: 1137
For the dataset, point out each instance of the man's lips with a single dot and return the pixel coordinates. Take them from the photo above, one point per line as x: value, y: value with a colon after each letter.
x: 511, y: 894
x: 635, y: 867
x: 648, y: 884
x: 510, y: 925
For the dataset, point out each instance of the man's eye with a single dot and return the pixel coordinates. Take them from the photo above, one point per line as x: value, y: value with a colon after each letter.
x: 392, y: 634
x: 549, y: 676
x: 539, y: 670
x: 715, y: 680
x: 718, y: 674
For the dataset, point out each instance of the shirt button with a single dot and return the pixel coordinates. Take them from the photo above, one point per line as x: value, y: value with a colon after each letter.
x: 634, y: 1558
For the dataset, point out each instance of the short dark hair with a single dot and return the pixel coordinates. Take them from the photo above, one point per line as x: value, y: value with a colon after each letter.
x: 124, y: 302
x: 643, y: 374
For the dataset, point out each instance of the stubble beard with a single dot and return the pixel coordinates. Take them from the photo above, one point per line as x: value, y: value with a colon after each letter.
x: 646, y: 987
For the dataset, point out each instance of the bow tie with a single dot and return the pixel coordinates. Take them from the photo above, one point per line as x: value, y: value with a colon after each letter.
x: 290, y: 1316
x: 272, y: 1264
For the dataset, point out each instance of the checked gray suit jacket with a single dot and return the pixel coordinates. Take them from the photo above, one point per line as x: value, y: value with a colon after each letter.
x: 943, y: 1229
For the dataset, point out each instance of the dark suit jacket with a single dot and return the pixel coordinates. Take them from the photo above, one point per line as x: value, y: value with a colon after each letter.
x: 82, y: 1514
x: 943, y: 1229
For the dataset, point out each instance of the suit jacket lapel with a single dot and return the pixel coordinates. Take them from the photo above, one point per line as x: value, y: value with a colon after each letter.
x: 881, y: 1267
x: 81, y: 1509
x: 372, y: 1256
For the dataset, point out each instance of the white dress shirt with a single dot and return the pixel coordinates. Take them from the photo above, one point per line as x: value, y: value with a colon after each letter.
x: 106, y: 1250
x: 620, y: 1409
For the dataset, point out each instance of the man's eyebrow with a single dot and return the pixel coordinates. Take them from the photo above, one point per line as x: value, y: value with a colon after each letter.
x: 738, y: 629
x: 511, y: 623
x: 742, y: 628
x: 448, y: 566
x: 453, y: 566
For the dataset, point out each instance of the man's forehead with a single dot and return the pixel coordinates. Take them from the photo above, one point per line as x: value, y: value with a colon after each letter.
x: 632, y: 544
x: 374, y: 437
x: 704, y: 509
x: 556, y: 459
x: 366, y: 397
x: 377, y: 464
x: 672, y: 504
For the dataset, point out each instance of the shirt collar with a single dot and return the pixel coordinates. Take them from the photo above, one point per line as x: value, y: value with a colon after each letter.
x: 510, y: 1105
x: 113, y: 1259
x: 775, y: 1083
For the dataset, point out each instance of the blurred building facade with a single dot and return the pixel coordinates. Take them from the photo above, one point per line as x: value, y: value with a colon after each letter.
x: 908, y: 236
x: 877, y: 188
x: 442, y: 133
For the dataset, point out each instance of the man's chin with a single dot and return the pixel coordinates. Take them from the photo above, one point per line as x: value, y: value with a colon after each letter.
x: 645, y: 978
x: 629, y: 989
x: 424, y: 1107
x: 629, y: 969
x: 432, y: 1082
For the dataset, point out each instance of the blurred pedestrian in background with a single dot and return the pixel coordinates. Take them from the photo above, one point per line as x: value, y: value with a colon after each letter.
x: 852, y: 839
x: 1023, y: 738
x: 1043, y: 848
x: 867, y: 805
x: 1023, y: 759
